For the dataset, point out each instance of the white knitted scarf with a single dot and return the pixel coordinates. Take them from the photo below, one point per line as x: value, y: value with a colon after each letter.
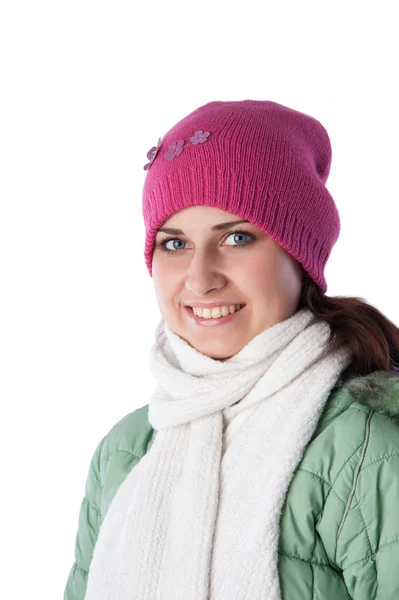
x: 198, y: 517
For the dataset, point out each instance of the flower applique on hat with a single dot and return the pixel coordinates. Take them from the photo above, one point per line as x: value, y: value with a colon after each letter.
x: 199, y: 137
x: 151, y: 154
x: 174, y: 150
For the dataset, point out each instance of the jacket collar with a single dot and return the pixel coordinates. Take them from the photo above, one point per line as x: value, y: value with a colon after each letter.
x: 378, y: 390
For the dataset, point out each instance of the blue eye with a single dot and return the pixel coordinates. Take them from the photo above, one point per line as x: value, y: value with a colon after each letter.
x: 162, y: 243
x: 239, y: 233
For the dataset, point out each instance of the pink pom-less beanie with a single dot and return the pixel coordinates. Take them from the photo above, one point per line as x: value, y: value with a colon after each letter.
x: 259, y: 160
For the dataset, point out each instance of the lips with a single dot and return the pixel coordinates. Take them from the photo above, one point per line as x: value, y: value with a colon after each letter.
x: 214, y: 304
x: 212, y: 322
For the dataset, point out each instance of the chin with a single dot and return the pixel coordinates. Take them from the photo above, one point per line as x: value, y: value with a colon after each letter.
x: 215, y: 355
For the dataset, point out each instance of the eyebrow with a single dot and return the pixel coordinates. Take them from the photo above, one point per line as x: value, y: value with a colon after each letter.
x: 218, y: 227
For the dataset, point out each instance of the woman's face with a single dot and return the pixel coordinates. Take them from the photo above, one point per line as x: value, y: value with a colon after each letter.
x: 207, y: 265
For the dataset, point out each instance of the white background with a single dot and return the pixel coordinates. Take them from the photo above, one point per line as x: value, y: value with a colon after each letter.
x: 86, y: 89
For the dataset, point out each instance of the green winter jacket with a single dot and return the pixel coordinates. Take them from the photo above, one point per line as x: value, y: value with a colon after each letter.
x: 339, y: 535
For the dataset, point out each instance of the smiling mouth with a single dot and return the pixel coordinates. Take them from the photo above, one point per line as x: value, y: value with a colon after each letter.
x: 221, y: 318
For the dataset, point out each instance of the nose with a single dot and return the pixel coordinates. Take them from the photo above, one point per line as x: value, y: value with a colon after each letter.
x: 203, y: 274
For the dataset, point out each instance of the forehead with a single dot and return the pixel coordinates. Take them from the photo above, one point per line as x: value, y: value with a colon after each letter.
x: 200, y: 217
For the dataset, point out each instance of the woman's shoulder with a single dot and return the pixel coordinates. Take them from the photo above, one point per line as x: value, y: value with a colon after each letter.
x: 357, y: 457
x: 360, y: 422
x: 375, y: 395
x: 118, y: 453
x: 358, y: 406
x: 131, y: 434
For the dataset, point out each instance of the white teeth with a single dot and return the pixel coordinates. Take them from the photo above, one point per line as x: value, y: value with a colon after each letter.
x: 218, y: 311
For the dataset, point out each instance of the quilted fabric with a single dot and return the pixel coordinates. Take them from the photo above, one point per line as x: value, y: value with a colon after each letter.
x: 339, y: 534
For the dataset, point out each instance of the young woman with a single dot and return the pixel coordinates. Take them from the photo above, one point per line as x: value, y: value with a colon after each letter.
x: 266, y: 464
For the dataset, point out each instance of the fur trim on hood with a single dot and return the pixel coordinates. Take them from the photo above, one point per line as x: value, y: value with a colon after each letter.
x: 378, y: 390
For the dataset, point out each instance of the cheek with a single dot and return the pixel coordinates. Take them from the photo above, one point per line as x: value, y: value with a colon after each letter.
x: 289, y: 277
x: 274, y: 273
x: 164, y: 284
x: 251, y: 270
x: 257, y: 280
x: 158, y: 281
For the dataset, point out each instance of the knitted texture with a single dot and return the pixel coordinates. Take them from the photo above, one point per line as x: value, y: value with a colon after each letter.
x: 261, y: 161
x: 194, y: 520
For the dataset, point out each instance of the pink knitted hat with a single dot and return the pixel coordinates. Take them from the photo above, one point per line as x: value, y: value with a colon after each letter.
x: 259, y: 160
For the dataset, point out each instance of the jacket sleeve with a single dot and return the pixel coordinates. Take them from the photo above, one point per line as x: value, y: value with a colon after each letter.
x: 88, y: 528
x: 367, y: 534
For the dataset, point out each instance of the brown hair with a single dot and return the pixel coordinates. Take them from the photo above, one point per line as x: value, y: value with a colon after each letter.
x: 372, y: 338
